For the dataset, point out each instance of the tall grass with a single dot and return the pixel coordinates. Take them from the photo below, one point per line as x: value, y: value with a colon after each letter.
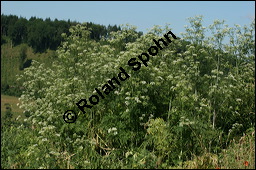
x: 239, y: 155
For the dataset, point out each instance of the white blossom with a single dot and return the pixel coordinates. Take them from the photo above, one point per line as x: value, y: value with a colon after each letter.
x: 44, y: 139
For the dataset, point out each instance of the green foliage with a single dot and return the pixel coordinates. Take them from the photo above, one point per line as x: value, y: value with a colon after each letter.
x: 8, y: 113
x: 240, y: 153
x: 22, y: 56
x: 194, y: 96
x: 15, y: 141
x: 3, y: 40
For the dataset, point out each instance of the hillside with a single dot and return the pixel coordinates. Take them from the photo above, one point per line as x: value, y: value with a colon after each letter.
x: 12, y: 65
x: 24, y: 40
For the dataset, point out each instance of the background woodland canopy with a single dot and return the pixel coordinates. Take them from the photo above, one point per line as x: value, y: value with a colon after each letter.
x: 45, y: 34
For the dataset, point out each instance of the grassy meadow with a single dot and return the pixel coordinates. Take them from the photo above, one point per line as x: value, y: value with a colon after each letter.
x: 13, y: 101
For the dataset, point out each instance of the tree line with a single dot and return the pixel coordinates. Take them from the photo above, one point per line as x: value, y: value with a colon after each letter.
x: 45, y: 34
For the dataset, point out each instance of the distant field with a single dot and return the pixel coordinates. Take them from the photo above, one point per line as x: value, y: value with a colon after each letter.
x: 13, y: 102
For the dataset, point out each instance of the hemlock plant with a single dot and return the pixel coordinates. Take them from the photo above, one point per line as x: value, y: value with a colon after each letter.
x: 193, y: 97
